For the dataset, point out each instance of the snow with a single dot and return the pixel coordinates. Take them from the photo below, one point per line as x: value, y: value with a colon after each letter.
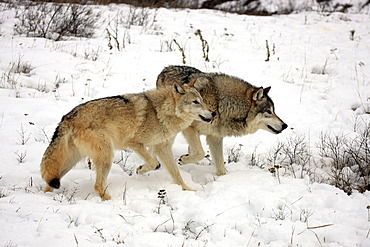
x: 320, y: 82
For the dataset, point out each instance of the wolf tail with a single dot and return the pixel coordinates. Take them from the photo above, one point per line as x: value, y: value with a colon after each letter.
x: 59, y: 158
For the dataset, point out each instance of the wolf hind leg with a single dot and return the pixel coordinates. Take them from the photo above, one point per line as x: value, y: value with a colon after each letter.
x: 196, y: 152
x: 216, y: 147
x: 99, y: 148
x: 151, y: 151
x: 102, y: 171
x: 103, y: 165
x: 151, y: 162
x: 164, y: 152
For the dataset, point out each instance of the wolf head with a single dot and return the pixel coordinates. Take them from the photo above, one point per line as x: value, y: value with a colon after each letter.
x: 190, y: 103
x: 264, y: 111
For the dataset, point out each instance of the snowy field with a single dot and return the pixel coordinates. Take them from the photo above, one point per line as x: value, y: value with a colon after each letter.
x: 319, y: 71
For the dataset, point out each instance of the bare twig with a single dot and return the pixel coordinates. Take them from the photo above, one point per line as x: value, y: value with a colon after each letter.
x: 155, y: 230
x: 181, y: 50
x: 204, y: 228
x: 99, y: 230
x: 24, y: 137
x: 124, y: 194
x: 74, y: 235
x: 205, y: 46
x: 268, y: 51
x: 311, y: 228
x: 316, y: 227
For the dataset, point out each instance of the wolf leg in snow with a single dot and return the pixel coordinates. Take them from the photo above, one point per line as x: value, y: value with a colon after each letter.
x: 99, y: 148
x: 196, y: 152
x: 215, y: 146
x: 164, y: 152
x: 102, y: 171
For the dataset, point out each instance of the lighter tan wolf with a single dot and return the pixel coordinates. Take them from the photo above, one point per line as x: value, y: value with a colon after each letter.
x: 143, y: 121
x: 241, y: 109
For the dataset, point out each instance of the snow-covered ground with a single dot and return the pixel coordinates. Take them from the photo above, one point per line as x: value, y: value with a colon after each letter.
x: 319, y: 70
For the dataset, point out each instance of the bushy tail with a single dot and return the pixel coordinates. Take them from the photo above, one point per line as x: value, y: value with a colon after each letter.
x: 55, y: 159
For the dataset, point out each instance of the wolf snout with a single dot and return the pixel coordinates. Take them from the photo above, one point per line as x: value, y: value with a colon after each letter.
x: 277, y: 129
x: 209, y: 118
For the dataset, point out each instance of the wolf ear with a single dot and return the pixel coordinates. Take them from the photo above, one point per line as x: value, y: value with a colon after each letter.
x: 201, y: 82
x: 178, y: 89
x: 192, y: 82
x: 258, y: 95
x: 266, y: 90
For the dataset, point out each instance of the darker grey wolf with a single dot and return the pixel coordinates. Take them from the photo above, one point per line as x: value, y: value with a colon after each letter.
x: 141, y: 122
x: 240, y: 107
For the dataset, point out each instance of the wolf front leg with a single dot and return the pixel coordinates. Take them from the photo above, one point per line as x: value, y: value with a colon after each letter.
x: 215, y: 144
x: 196, y: 152
x: 164, y: 152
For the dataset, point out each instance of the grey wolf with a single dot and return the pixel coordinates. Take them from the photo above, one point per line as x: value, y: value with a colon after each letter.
x: 240, y: 107
x: 141, y: 122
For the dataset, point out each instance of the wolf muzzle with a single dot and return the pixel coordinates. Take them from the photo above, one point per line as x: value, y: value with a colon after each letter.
x: 210, y: 119
x: 283, y: 127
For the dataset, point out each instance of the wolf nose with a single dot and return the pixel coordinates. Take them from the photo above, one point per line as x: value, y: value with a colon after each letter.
x: 213, y: 114
x: 284, y: 126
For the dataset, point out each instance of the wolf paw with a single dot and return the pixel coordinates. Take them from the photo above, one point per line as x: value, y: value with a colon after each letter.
x: 105, y: 197
x: 188, y: 159
x: 103, y: 193
x: 140, y: 170
x: 145, y: 168
x: 182, y: 159
x: 186, y: 188
x: 221, y: 172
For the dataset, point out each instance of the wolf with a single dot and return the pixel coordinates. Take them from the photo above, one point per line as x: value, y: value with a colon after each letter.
x: 240, y: 107
x: 145, y: 122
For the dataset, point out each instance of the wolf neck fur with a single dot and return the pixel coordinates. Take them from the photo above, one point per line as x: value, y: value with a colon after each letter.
x: 167, y: 113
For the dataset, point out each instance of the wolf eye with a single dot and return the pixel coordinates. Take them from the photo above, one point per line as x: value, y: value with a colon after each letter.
x: 269, y: 112
x: 196, y: 102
